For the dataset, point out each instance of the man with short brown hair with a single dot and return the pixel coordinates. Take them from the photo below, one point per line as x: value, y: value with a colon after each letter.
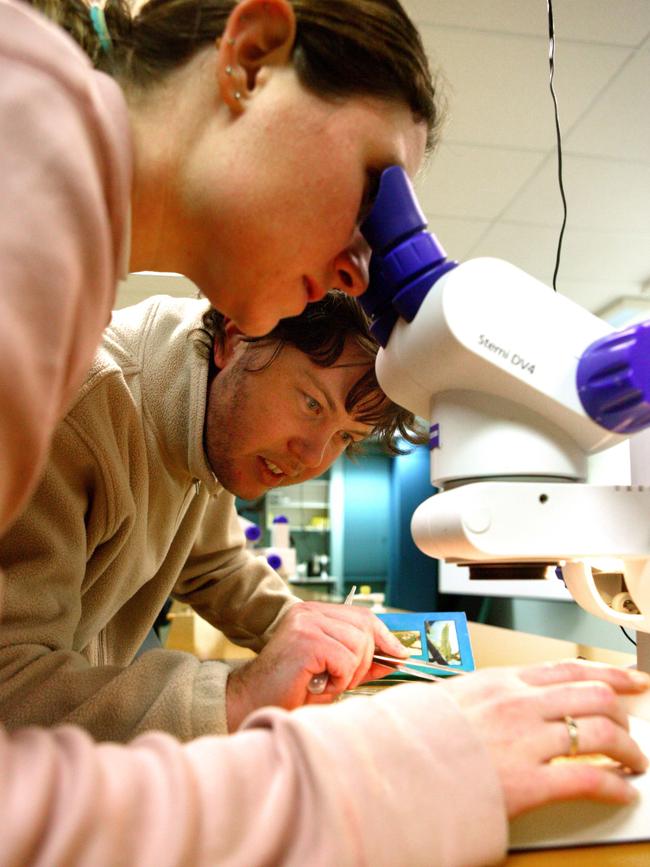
x: 137, y: 503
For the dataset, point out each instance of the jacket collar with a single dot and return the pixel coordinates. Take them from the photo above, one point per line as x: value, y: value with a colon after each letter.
x: 174, y: 367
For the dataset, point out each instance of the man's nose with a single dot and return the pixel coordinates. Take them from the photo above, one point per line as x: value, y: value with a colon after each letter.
x: 312, y: 450
x: 351, y: 266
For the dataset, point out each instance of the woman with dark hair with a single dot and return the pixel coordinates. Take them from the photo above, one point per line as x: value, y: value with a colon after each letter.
x: 236, y: 143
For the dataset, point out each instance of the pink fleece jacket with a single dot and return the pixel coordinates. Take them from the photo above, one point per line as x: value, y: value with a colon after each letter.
x: 396, y: 779
x: 64, y: 197
x: 388, y: 780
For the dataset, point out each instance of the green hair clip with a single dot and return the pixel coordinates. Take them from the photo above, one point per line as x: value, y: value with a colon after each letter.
x: 99, y: 26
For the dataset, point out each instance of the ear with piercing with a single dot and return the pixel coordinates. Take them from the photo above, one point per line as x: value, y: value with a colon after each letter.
x: 230, y: 82
x: 229, y: 71
x: 258, y: 33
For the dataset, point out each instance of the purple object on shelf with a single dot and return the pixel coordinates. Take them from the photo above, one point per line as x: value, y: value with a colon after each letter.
x: 406, y: 259
x: 252, y: 533
x: 613, y: 379
x: 274, y: 561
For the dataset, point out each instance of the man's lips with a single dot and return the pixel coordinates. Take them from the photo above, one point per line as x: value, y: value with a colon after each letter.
x: 272, y: 474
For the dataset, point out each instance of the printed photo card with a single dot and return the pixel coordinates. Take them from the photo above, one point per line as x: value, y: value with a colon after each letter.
x: 440, y: 637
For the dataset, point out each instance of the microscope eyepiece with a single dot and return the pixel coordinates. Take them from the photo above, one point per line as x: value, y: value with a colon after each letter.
x: 406, y: 259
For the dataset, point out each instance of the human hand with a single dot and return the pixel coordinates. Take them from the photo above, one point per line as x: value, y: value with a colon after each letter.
x: 312, y: 637
x: 519, y: 714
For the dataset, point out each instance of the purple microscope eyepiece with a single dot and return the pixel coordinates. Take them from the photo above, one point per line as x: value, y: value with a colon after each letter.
x: 406, y: 259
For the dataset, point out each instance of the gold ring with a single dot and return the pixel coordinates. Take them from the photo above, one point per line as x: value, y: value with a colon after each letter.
x: 572, y: 728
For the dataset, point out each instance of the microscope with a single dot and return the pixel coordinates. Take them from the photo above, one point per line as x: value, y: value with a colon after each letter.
x: 520, y: 386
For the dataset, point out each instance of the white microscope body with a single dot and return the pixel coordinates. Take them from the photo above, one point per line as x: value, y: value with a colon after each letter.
x: 511, y: 377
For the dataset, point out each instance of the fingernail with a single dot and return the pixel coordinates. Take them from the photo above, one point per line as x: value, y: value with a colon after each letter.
x: 640, y: 678
x: 631, y: 793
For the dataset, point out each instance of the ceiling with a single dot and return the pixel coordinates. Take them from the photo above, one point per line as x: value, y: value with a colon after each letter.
x: 491, y: 187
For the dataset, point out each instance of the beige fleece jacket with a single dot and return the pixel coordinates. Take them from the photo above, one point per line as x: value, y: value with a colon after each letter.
x: 128, y: 512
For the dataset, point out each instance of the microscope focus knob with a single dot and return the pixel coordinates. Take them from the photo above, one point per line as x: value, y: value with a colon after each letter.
x: 613, y: 379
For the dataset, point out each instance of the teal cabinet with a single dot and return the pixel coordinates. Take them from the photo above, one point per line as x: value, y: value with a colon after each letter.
x: 371, y: 503
x: 412, y: 576
x: 360, y: 520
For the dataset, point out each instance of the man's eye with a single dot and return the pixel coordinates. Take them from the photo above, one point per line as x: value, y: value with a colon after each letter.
x: 349, y: 440
x: 312, y: 404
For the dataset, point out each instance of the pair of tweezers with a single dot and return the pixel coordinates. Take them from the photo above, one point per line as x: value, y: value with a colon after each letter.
x: 414, y: 667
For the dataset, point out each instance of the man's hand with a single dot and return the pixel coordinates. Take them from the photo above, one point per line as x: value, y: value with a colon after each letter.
x: 520, y: 715
x: 312, y: 637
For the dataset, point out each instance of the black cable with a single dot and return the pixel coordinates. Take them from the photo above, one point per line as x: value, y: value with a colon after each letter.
x: 629, y: 638
x: 551, y: 63
x: 558, y: 136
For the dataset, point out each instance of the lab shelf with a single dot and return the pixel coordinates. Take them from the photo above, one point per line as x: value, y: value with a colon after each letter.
x: 299, y: 529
